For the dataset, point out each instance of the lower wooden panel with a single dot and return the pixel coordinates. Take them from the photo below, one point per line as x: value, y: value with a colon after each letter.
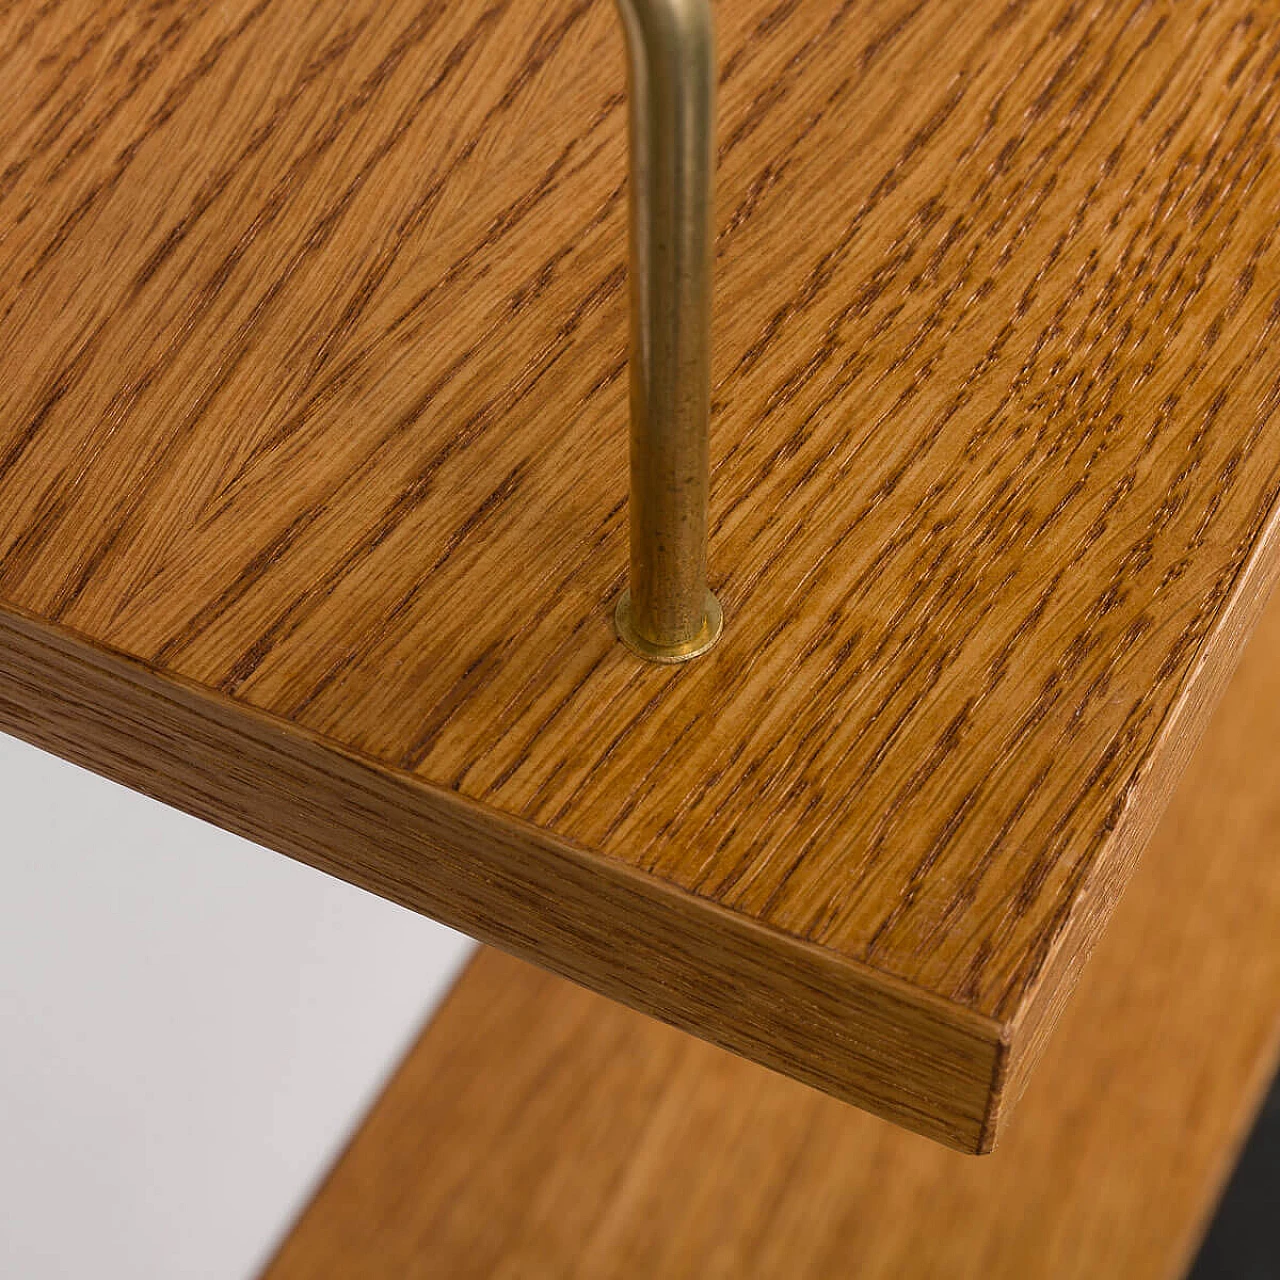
x: 537, y: 1130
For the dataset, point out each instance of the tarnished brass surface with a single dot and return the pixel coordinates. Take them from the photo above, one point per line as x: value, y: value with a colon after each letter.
x: 671, y: 90
x: 712, y: 625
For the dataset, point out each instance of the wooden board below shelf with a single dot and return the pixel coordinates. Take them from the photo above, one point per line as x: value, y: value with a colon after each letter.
x: 313, y: 481
x: 538, y: 1131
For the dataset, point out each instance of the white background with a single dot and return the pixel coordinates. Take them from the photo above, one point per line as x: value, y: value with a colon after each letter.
x: 190, y: 1025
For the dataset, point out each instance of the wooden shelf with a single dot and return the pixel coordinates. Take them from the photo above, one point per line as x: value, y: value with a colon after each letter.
x: 312, y: 484
x: 537, y: 1131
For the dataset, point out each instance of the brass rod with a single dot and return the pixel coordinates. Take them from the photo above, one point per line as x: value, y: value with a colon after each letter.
x: 669, y: 615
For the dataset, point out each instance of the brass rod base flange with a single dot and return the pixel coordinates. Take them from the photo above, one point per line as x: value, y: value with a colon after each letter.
x: 712, y: 626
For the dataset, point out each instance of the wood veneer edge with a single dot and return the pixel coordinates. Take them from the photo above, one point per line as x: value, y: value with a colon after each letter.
x: 1206, y: 679
x: 868, y: 1038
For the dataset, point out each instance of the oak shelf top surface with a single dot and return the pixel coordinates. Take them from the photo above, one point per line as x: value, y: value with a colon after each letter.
x: 313, y: 396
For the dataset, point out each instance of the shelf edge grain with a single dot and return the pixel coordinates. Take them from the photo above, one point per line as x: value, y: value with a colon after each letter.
x: 1147, y: 798
x: 865, y: 1037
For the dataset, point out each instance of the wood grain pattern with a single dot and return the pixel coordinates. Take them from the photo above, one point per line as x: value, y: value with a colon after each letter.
x: 538, y: 1131
x: 312, y: 342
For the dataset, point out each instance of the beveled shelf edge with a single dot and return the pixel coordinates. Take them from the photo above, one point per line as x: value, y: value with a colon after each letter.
x: 870, y: 1039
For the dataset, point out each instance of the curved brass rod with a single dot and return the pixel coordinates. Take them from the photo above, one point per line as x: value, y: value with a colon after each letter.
x: 669, y: 615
